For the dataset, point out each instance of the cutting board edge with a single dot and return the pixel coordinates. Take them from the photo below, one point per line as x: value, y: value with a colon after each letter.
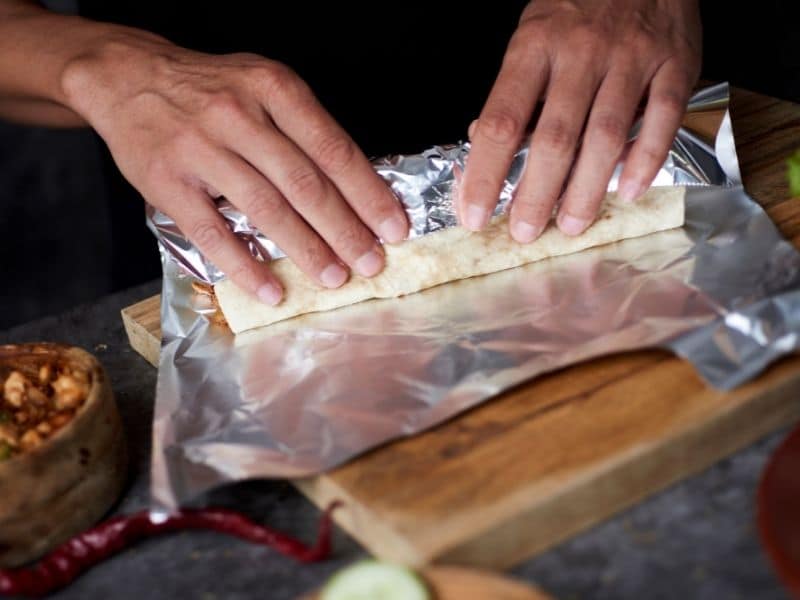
x: 144, y: 341
x: 355, y: 518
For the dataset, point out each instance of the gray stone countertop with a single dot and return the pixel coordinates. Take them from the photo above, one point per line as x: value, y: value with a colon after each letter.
x: 697, y: 539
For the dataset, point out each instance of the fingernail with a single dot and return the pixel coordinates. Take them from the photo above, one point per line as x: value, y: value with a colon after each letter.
x: 269, y: 293
x: 393, y: 230
x: 475, y: 217
x: 524, y: 232
x: 369, y: 264
x: 630, y: 191
x: 333, y: 276
x: 572, y: 225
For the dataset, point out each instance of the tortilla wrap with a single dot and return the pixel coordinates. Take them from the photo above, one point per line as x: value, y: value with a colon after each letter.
x: 449, y: 255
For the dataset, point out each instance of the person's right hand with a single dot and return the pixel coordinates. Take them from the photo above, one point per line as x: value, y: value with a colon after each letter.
x: 185, y: 127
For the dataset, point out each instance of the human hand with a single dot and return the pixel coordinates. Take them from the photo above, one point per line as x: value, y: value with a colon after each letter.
x: 185, y: 127
x: 592, y: 61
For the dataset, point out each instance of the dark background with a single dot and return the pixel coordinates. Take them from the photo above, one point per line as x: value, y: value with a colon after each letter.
x: 72, y: 230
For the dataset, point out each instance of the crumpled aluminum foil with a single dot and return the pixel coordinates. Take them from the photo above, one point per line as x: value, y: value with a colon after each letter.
x: 307, y: 394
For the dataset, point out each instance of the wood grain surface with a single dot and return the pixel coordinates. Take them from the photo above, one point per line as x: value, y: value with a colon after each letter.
x: 549, y: 458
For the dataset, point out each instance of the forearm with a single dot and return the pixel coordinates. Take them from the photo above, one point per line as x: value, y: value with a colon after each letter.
x: 39, y: 112
x: 36, y: 49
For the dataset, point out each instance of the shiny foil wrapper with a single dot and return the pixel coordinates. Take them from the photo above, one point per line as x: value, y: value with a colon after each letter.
x: 304, y: 395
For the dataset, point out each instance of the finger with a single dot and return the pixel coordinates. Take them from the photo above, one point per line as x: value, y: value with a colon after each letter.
x: 309, y: 192
x: 204, y: 226
x: 473, y: 127
x: 553, y: 145
x: 298, y: 114
x: 266, y: 207
x: 603, y: 141
x: 669, y: 92
x: 498, y: 134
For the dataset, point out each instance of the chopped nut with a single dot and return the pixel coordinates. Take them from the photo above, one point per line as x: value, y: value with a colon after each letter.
x: 14, y: 398
x: 35, y: 413
x: 39, y: 406
x: 69, y: 392
x: 30, y: 440
x: 16, y: 381
x: 14, y: 388
x: 37, y: 396
x: 45, y: 373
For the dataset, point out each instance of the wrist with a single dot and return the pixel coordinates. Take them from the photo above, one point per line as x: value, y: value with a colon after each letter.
x: 90, y: 77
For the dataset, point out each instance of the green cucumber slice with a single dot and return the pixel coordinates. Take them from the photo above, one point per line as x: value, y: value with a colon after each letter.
x: 375, y: 580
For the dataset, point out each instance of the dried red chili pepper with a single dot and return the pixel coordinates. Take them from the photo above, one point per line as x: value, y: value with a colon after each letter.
x: 85, y: 550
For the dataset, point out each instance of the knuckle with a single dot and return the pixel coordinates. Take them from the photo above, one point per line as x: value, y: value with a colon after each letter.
x: 589, y: 40
x: 670, y: 101
x: 629, y: 64
x: 528, y: 31
x: 611, y: 130
x: 188, y: 142
x: 557, y: 135
x: 306, y: 185
x: 225, y: 105
x: 380, y: 206
x: 245, y: 58
x: 501, y: 126
x: 644, y: 45
x: 652, y: 156
x: 529, y: 37
x: 350, y: 238
x: 244, y: 274
x: 335, y: 153
x: 281, y: 81
x: 532, y: 210
x: 315, y: 256
x: 263, y: 204
x: 484, y: 187
x: 157, y: 169
x: 583, y: 207
x: 208, y: 235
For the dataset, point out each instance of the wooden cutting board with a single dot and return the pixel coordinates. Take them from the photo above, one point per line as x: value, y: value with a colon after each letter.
x: 549, y: 458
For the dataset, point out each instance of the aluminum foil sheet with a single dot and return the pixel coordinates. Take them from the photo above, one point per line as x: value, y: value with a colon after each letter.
x: 304, y: 395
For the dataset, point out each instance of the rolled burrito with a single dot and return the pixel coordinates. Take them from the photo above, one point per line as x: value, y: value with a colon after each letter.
x: 449, y: 255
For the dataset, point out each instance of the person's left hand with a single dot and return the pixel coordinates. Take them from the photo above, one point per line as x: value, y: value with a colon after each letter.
x: 593, y: 60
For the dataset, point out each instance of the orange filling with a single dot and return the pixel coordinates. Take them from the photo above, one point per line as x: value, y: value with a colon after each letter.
x: 36, y: 404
